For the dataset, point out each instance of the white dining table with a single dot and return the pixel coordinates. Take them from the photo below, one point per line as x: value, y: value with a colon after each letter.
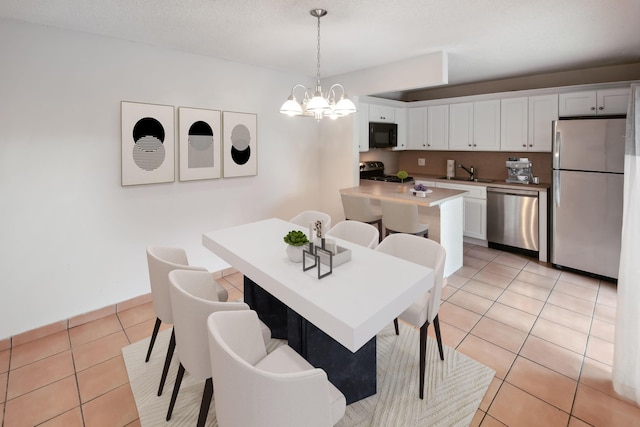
x: 351, y: 305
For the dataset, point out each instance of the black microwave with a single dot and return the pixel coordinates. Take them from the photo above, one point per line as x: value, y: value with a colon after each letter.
x: 383, y: 135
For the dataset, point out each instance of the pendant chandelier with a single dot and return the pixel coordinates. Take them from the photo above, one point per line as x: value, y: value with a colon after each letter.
x: 314, y: 102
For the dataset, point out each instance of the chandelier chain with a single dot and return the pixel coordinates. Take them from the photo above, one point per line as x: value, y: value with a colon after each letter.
x: 318, y: 54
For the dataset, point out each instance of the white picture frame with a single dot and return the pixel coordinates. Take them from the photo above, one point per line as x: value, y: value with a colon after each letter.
x: 200, y: 137
x: 240, y: 144
x: 148, y: 143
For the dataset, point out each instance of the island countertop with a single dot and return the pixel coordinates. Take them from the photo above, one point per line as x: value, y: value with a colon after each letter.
x: 389, y: 191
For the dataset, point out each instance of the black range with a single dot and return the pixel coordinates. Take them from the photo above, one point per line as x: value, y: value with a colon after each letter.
x: 375, y: 171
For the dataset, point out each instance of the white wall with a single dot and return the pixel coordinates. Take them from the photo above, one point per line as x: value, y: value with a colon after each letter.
x: 72, y: 239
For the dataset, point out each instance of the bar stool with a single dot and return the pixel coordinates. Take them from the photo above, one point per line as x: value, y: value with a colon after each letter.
x: 402, y: 218
x: 359, y: 208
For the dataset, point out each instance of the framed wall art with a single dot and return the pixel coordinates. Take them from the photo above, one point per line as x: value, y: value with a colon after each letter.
x: 148, y: 147
x: 200, y: 141
x: 239, y: 144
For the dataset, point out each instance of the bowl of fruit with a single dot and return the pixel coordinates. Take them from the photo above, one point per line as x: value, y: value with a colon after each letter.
x: 420, y: 190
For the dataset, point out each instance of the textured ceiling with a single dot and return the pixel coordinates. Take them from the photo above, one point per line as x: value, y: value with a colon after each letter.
x: 484, y: 39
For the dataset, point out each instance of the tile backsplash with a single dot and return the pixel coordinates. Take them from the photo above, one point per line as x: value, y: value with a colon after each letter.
x: 489, y: 165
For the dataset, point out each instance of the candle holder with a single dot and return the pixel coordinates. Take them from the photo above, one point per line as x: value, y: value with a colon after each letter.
x: 323, y: 257
x: 318, y: 257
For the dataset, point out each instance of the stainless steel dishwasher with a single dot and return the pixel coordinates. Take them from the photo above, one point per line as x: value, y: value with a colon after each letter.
x: 512, y: 218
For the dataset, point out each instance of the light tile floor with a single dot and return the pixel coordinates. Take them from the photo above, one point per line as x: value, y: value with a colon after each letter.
x: 548, y: 335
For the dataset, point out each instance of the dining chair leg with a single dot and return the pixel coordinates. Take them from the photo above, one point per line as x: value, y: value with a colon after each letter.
x: 436, y: 326
x: 206, y: 402
x: 167, y: 362
x: 156, y: 328
x: 176, y: 389
x: 395, y: 324
x: 423, y: 355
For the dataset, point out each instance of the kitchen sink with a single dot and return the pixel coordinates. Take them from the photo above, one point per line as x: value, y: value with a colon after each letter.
x: 459, y: 178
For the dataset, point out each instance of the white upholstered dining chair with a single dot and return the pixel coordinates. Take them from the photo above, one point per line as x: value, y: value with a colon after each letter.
x: 358, y: 208
x: 357, y: 232
x: 279, y: 389
x: 193, y: 299
x: 305, y: 217
x: 162, y: 260
x: 424, y: 310
x: 402, y: 218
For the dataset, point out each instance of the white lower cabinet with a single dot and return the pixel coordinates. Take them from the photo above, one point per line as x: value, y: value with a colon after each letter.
x: 474, y: 209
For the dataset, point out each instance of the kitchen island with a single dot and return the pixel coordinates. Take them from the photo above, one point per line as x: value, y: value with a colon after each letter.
x: 442, y: 207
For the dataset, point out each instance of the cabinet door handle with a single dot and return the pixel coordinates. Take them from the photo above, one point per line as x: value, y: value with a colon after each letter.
x: 593, y: 108
x: 601, y: 108
x: 524, y: 145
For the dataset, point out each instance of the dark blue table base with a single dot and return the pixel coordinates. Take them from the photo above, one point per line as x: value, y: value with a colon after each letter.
x: 354, y: 374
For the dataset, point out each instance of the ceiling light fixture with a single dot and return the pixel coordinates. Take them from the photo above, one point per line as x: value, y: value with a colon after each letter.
x: 315, y: 103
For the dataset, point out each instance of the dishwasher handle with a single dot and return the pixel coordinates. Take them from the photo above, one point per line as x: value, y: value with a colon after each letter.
x: 513, y: 191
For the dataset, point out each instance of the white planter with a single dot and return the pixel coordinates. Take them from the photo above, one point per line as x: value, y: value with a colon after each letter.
x: 295, y: 252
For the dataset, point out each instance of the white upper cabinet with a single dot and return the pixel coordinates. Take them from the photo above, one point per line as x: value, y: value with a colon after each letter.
x: 543, y: 110
x: 486, y: 125
x: 438, y: 127
x: 381, y: 113
x: 362, y: 127
x: 526, y: 123
x: 428, y: 128
x: 475, y: 126
x: 400, y: 115
x: 514, y: 119
x: 589, y: 103
x: 613, y: 101
x: 416, y: 128
x: 461, y: 126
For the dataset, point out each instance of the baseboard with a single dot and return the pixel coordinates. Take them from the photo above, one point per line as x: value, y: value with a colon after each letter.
x: 81, y: 319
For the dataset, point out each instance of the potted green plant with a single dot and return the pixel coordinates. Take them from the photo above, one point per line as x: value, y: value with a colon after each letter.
x: 402, y: 175
x: 296, y: 242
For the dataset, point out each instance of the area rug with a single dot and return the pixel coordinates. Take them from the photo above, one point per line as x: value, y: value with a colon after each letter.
x: 453, y: 388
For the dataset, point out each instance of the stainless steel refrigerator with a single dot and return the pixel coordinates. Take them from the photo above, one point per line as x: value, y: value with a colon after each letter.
x: 586, y: 208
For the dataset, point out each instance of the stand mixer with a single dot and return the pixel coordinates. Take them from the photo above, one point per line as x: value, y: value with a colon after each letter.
x: 519, y: 170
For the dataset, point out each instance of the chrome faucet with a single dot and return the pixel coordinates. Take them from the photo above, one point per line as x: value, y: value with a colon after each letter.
x: 471, y: 171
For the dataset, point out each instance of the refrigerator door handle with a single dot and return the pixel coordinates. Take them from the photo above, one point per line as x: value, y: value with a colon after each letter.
x: 557, y: 139
x: 556, y: 188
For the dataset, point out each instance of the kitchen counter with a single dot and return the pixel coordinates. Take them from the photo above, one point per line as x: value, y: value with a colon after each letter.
x: 443, y: 208
x: 542, y: 187
x: 543, y: 190
x: 389, y: 191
